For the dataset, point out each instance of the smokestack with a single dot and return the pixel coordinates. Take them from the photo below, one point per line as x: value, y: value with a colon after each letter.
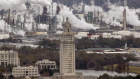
x: 124, y: 15
x: 52, y: 9
x: 36, y: 26
x: 124, y: 20
x: 58, y: 10
x: 32, y: 26
x: 2, y: 12
x: 23, y: 27
x: 83, y: 7
x: 125, y: 46
x: 44, y: 10
x: 5, y: 27
x: 9, y: 17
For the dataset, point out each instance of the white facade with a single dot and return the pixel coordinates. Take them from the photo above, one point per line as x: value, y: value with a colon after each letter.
x: 106, y: 35
x: 93, y: 37
x: 109, y: 35
x: 25, y: 71
x: 4, y: 36
x: 67, y: 50
x: 107, y: 52
x: 46, y: 64
x: 9, y: 58
x: 81, y: 35
x: 128, y: 33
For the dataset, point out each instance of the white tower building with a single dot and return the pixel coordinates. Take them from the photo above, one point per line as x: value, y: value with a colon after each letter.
x: 67, y: 50
x: 67, y: 55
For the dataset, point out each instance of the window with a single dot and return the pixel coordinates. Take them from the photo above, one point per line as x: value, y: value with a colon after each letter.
x: 12, y: 55
x: 2, y: 56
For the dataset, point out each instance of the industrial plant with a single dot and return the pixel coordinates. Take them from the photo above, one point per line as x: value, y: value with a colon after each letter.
x: 69, y: 39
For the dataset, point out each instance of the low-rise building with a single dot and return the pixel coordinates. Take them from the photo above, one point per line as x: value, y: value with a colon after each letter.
x: 134, y: 63
x: 46, y: 64
x: 80, y: 35
x: 25, y: 71
x: 109, y: 35
x: 4, y: 36
x: 105, y: 51
x: 9, y: 58
x: 94, y: 37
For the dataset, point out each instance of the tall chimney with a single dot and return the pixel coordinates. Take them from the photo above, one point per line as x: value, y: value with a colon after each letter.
x: 124, y: 20
x: 124, y: 15
x: 5, y: 27
x: 2, y: 12
x: 9, y: 17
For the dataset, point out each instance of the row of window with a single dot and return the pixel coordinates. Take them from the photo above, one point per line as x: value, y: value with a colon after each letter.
x: 25, y: 69
x: 6, y: 56
x: 26, y: 74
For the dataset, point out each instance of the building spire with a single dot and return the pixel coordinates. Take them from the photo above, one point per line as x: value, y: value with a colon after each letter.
x: 67, y: 26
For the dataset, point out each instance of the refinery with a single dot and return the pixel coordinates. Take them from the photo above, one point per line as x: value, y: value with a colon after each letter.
x: 67, y: 35
x: 43, y: 19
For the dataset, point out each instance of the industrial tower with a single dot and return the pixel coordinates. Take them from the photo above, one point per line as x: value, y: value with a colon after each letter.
x: 124, y: 15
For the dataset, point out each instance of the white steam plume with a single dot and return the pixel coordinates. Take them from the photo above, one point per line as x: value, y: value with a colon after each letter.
x: 19, y: 4
x: 81, y: 24
x: 12, y: 4
x: 115, y: 14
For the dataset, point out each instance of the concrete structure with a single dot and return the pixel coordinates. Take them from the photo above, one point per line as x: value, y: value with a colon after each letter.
x: 46, y: 64
x: 124, y: 20
x: 25, y: 71
x: 134, y: 63
x: 94, y: 37
x: 67, y: 54
x: 124, y: 15
x: 106, y: 51
x: 67, y: 50
x: 52, y: 26
x: 9, y: 58
x: 89, y: 17
x: 4, y: 36
x: 109, y: 35
x: 81, y: 35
